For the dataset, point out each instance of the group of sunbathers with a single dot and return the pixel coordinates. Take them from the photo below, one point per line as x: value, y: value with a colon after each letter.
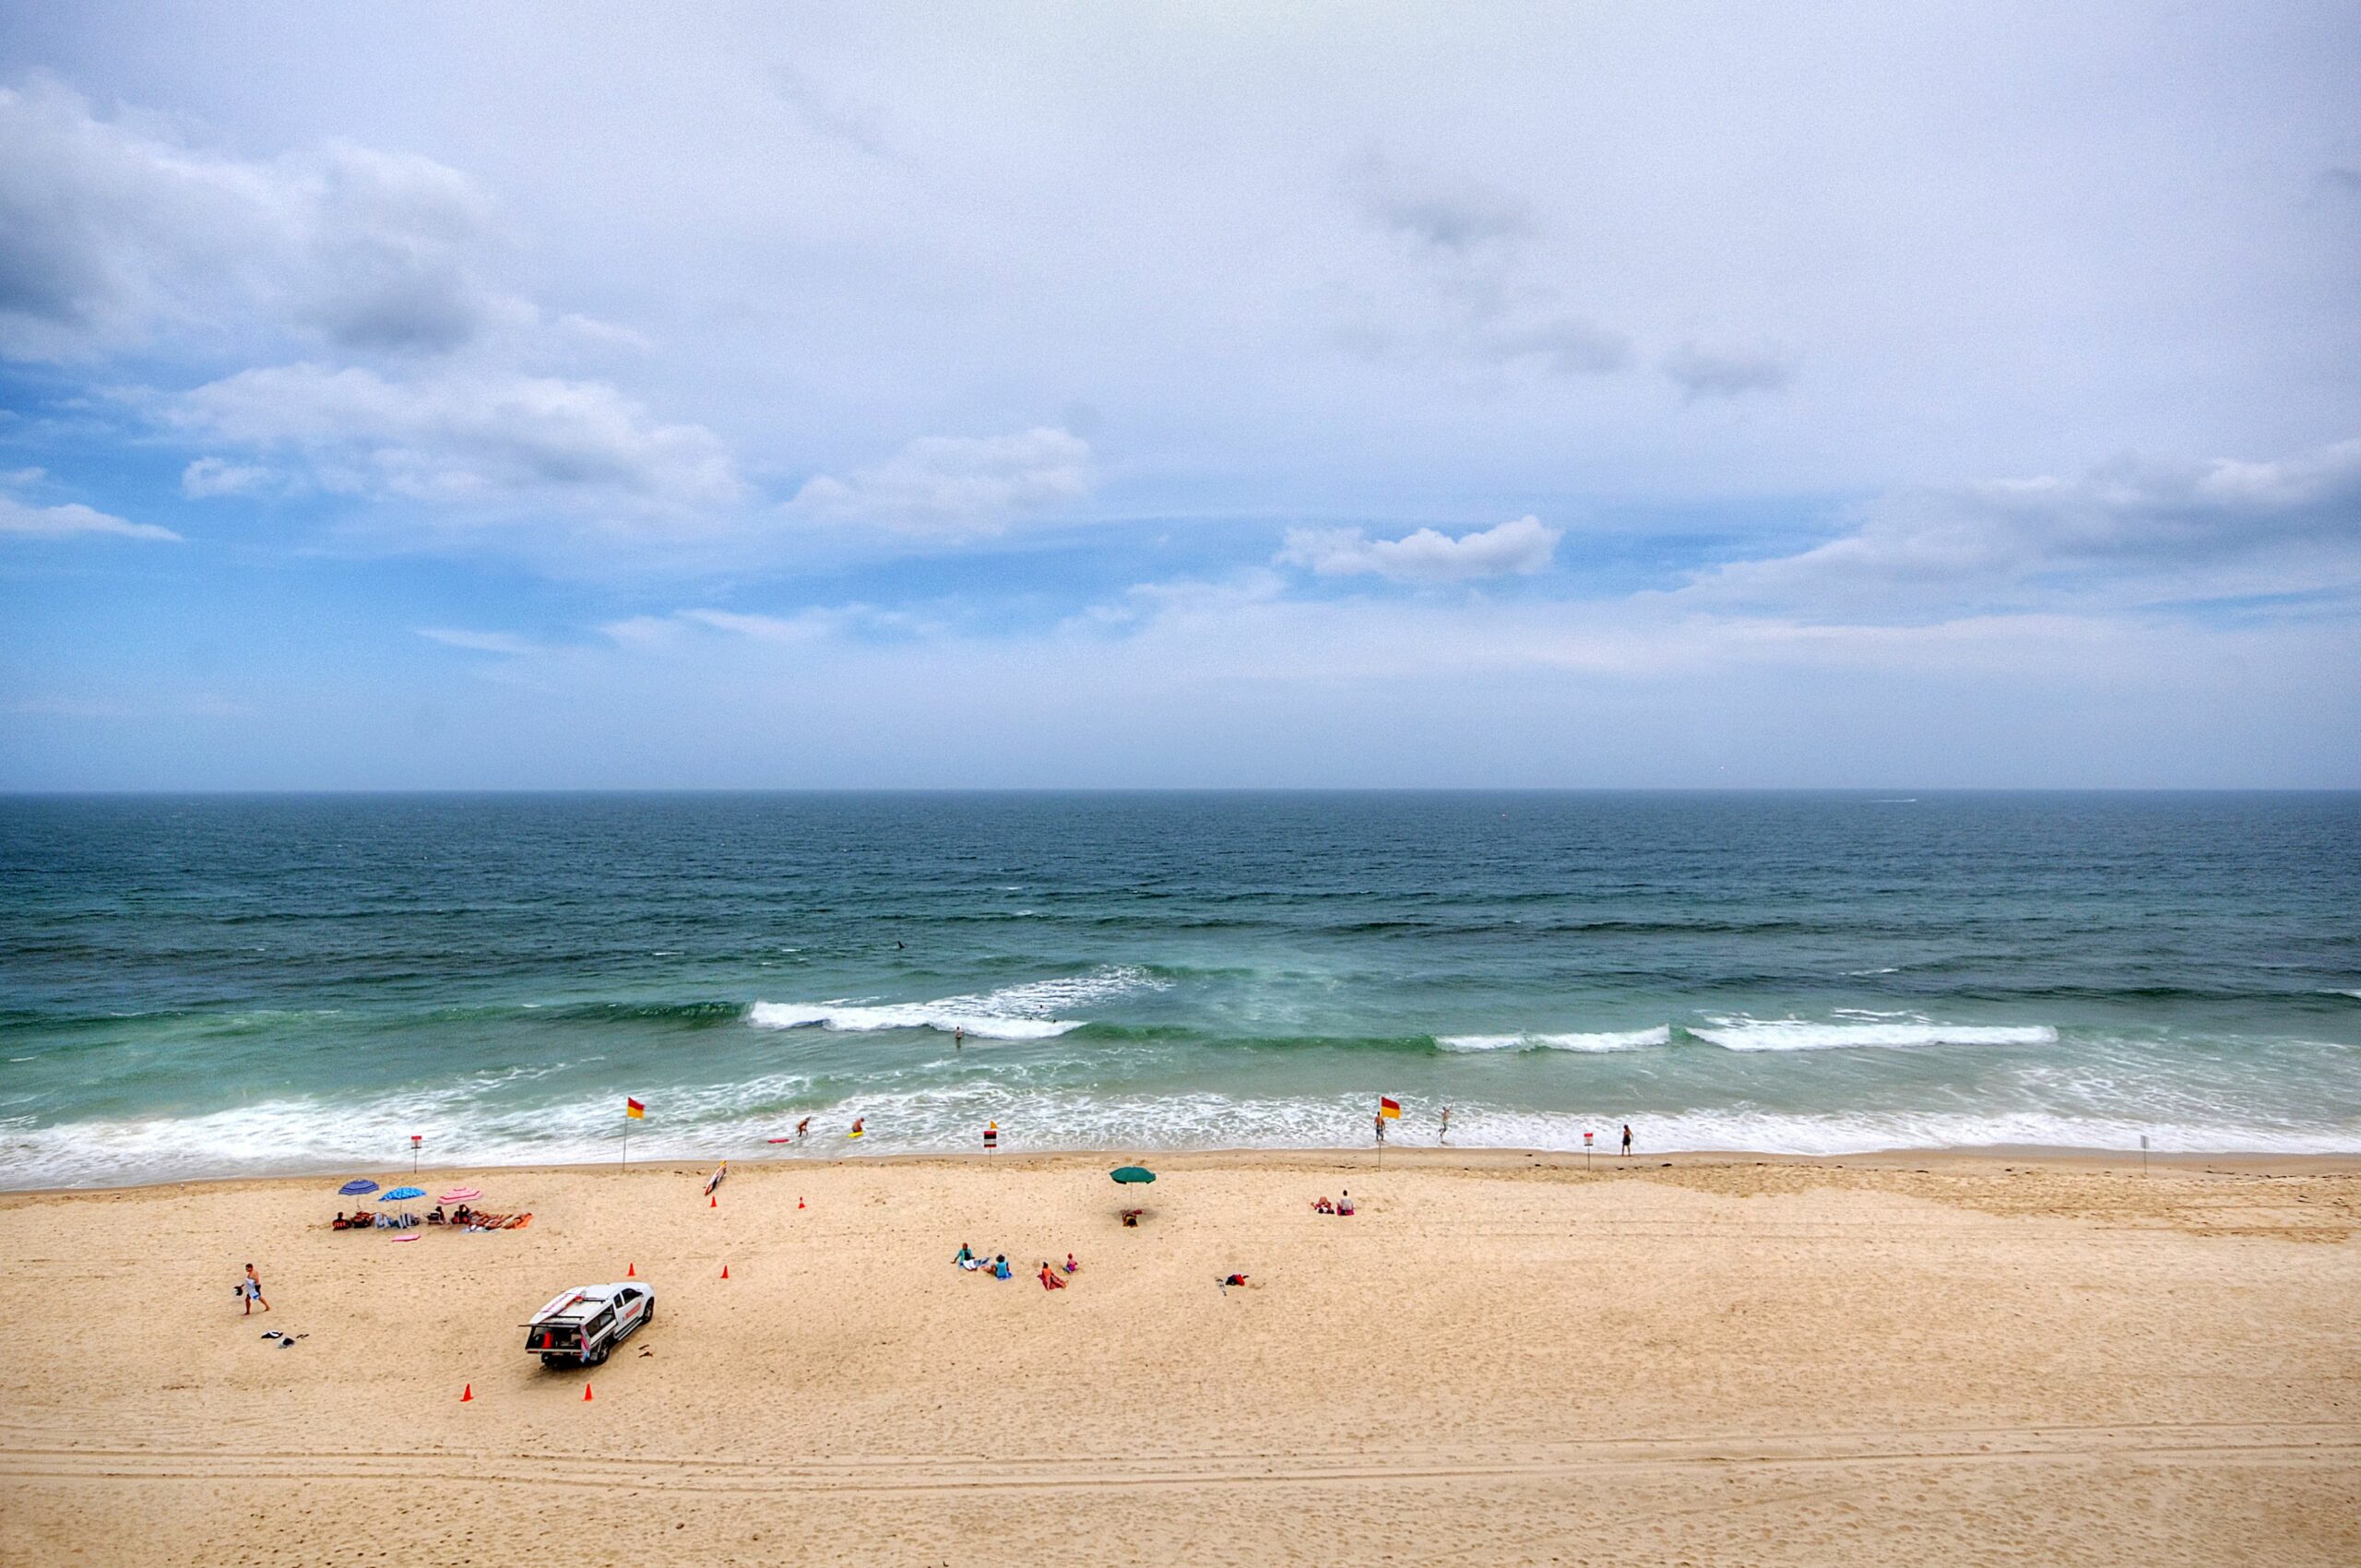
x: 1343, y: 1206
x: 383, y: 1220
x: 461, y: 1218
x: 1051, y: 1276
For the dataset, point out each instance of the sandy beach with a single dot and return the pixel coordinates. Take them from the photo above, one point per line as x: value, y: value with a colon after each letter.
x: 2030, y: 1358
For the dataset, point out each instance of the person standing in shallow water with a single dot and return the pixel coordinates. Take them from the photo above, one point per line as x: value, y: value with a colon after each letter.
x: 1627, y: 1140
x: 1445, y: 1135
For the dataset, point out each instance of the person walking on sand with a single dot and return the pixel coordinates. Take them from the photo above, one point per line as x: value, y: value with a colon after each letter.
x: 1627, y: 1140
x: 251, y: 1289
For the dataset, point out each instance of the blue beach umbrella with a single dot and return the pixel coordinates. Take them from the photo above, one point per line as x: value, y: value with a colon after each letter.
x: 403, y: 1194
x: 1131, y: 1174
x: 357, y: 1186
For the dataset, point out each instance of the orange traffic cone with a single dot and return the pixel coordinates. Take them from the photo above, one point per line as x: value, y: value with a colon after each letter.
x: 585, y: 1392
x: 799, y: 1202
x: 631, y: 1271
x: 466, y: 1394
x: 713, y: 1203
x: 725, y: 1271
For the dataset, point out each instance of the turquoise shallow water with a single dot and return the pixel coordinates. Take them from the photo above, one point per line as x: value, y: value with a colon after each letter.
x: 203, y: 986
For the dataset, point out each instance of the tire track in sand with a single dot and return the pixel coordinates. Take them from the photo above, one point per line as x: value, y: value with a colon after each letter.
x: 2328, y: 1445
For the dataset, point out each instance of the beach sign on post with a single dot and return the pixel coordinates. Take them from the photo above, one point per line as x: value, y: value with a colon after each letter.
x: 2143, y: 1154
x: 991, y: 1137
x: 1586, y: 1138
x: 415, y: 1139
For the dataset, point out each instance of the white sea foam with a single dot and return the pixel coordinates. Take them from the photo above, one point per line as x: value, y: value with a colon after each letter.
x: 1618, y: 1040
x: 1015, y: 1012
x: 1797, y: 1034
x: 469, y: 1125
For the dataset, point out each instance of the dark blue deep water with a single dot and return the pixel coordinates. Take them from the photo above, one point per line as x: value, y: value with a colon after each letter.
x: 207, y: 985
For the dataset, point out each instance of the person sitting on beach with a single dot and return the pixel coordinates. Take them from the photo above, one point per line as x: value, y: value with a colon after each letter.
x: 965, y: 1257
x: 1344, y: 1204
x: 1070, y: 1264
x: 1239, y: 1280
x: 341, y: 1223
x: 1049, y: 1280
x: 462, y: 1213
x: 1324, y: 1206
x: 1132, y: 1217
x: 434, y: 1217
x: 999, y: 1267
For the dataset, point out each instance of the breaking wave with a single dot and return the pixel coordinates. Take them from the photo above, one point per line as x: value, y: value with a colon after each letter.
x: 1623, y: 1039
x: 1029, y: 1011
x: 1794, y: 1034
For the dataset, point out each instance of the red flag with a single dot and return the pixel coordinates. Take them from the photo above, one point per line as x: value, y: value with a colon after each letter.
x: 1389, y: 1108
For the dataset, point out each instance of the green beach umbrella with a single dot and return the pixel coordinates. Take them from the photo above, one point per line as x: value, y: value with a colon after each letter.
x: 1130, y: 1173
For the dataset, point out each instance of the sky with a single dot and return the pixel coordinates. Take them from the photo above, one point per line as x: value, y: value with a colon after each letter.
x: 1207, y: 395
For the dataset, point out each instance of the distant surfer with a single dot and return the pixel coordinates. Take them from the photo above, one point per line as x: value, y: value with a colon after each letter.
x: 802, y: 1129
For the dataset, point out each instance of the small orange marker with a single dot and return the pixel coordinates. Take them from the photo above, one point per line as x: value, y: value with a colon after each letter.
x: 799, y: 1202
x: 631, y: 1271
x: 585, y: 1392
x: 725, y: 1271
x: 467, y: 1393
x: 713, y: 1203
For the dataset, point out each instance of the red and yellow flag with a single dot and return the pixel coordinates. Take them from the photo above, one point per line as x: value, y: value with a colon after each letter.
x: 633, y: 1109
x: 1389, y: 1108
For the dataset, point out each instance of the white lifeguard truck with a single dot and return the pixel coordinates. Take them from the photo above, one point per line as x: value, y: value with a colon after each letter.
x: 583, y: 1326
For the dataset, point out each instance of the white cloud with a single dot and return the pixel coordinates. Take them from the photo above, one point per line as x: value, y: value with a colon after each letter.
x: 798, y: 628
x: 112, y: 231
x: 506, y: 643
x: 2133, y: 529
x: 683, y: 628
x: 209, y: 476
x: 1520, y: 547
x: 1728, y: 373
x: 942, y: 484
x: 466, y: 438
x: 18, y: 520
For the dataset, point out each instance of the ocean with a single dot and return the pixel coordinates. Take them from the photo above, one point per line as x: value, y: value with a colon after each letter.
x: 207, y: 986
